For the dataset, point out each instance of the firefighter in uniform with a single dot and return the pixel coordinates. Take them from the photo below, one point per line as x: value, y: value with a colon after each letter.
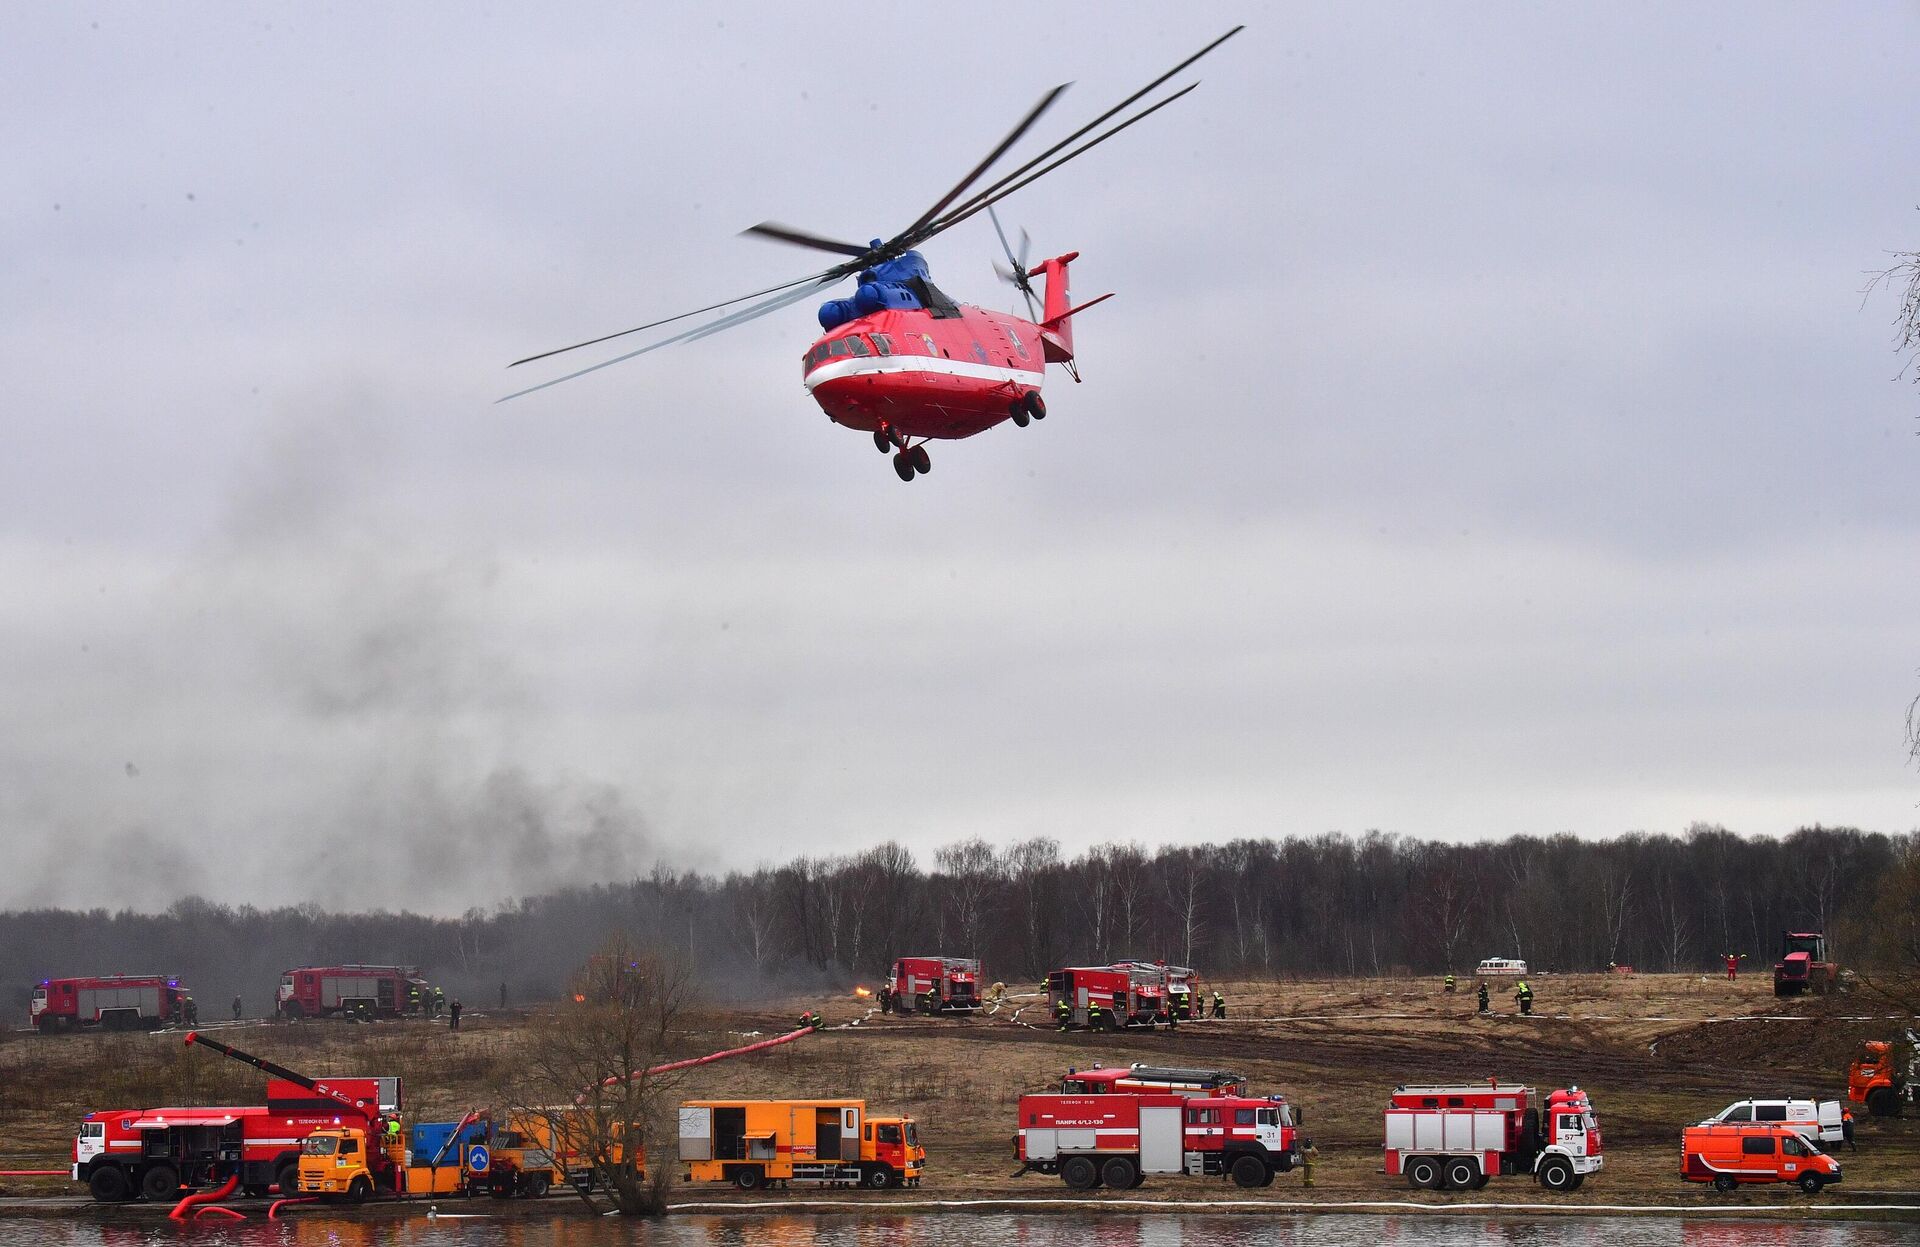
x: 1063, y: 1013
x: 1449, y: 986
x: 439, y: 1002
x: 1524, y: 995
x: 1093, y: 1014
x: 1733, y: 967
x: 930, y: 1001
x: 1219, y: 1004
x: 190, y: 1010
x: 1483, y: 996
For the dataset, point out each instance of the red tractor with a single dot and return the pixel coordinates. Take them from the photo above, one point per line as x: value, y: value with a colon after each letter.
x: 1803, y: 965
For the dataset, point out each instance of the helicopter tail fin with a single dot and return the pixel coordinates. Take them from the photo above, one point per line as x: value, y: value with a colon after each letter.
x: 1056, y: 329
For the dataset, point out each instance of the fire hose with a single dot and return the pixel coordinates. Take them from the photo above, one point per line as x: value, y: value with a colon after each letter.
x: 689, y: 1063
x: 179, y: 1212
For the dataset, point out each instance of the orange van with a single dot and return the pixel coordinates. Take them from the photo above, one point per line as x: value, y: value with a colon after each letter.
x: 1752, y: 1152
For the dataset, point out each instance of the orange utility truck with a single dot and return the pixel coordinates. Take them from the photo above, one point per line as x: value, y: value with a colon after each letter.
x: 751, y: 1143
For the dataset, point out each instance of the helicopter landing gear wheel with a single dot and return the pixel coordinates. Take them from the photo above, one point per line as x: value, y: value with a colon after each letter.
x: 922, y: 461
x: 880, y: 442
x: 903, y: 466
x: 1017, y: 411
x: 1035, y: 405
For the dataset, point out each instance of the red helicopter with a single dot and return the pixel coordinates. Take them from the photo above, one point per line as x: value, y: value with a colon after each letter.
x: 901, y: 360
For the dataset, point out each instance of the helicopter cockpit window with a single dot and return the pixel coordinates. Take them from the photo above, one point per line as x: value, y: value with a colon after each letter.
x: 882, y: 344
x: 837, y: 348
x: 859, y: 346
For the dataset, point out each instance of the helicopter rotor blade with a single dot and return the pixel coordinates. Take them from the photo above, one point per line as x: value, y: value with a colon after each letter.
x: 787, y: 296
x: 993, y: 191
x: 800, y: 238
x: 835, y: 274
x: 1013, y: 136
x: 973, y: 207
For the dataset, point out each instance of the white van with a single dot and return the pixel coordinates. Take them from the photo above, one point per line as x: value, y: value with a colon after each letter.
x: 1496, y: 966
x: 1819, y: 1121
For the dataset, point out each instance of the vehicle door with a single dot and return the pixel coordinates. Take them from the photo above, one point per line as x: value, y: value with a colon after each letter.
x: 1759, y: 1155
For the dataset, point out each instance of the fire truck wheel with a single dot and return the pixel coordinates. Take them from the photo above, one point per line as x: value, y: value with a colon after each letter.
x: 1725, y: 1182
x: 160, y: 1182
x: 1248, y: 1171
x: 1461, y: 1173
x: 746, y: 1177
x: 1017, y: 409
x: 109, y: 1184
x: 1423, y: 1173
x: 1882, y: 1102
x: 1080, y: 1173
x: 878, y: 1177
x: 1119, y: 1173
x: 358, y: 1190
x: 289, y: 1179
x: 1556, y: 1174
x: 1811, y: 1183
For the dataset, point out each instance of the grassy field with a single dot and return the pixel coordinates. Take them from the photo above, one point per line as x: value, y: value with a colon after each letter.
x: 1654, y: 1052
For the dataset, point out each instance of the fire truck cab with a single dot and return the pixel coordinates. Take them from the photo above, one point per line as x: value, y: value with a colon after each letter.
x: 1118, y: 1140
x: 1460, y: 1137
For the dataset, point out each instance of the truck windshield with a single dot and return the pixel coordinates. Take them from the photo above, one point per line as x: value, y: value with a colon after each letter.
x: 913, y: 1137
x: 319, y: 1145
x: 1794, y: 1145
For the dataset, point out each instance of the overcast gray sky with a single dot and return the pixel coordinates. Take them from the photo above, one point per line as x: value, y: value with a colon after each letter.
x: 1488, y: 437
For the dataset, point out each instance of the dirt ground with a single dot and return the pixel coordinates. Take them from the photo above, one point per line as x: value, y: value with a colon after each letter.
x: 1653, y: 1051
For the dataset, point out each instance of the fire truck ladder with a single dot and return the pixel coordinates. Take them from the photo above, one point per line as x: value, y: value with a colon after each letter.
x: 281, y: 1071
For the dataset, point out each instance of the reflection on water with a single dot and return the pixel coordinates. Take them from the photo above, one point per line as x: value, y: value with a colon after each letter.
x: 986, y: 1230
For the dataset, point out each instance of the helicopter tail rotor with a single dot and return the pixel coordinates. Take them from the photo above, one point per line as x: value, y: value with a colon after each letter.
x: 1015, y: 272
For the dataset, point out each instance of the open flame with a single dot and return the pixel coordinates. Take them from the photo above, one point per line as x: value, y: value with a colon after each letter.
x: 862, y: 992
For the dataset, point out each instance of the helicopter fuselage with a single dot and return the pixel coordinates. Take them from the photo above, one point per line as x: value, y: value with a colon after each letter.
x: 924, y: 375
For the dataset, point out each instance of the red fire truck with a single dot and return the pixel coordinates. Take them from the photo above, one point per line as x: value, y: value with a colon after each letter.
x: 359, y: 991
x: 1456, y: 1138
x: 151, y: 1153
x: 933, y: 985
x: 115, y: 1002
x: 1116, y: 1140
x: 1109, y: 997
x: 1139, y: 1079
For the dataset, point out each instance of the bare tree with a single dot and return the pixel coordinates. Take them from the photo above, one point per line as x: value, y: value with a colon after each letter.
x: 585, y: 1076
x: 973, y: 876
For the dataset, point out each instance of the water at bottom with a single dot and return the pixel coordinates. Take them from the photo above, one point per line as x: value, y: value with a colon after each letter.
x: 984, y: 1230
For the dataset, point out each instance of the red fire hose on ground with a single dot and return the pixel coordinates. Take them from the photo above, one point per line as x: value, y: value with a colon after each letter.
x: 690, y: 1062
x: 232, y: 1184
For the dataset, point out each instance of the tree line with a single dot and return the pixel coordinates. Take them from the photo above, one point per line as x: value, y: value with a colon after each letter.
x: 1304, y: 906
